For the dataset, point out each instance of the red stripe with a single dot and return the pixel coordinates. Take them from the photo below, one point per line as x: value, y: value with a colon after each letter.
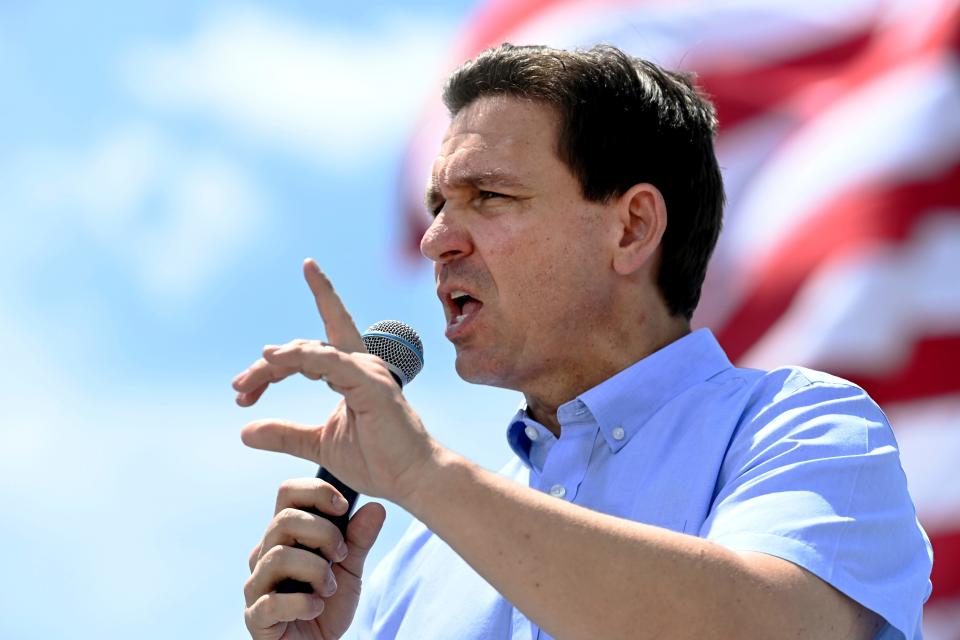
x: 930, y: 370
x: 740, y: 95
x: 946, y: 565
x: 859, y: 217
x: 803, y: 86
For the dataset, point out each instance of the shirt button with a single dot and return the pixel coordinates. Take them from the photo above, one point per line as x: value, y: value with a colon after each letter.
x: 558, y: 491
x: 531, y: 432
x: 618, y: 433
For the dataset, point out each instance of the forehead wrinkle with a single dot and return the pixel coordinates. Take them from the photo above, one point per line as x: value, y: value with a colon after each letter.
x: 460, y: 175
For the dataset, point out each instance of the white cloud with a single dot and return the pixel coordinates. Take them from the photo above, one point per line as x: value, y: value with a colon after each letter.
x: 171, y: 214
x: 326, y: 92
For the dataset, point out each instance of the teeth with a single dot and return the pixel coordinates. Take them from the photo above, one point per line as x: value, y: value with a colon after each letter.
x: 458, y: 318
x: 458, y: 294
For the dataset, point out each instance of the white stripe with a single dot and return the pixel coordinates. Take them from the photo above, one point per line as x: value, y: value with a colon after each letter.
x: 861, y: 312
x: 702, y: 34
x: 928, y: 432
x: 904, y: 125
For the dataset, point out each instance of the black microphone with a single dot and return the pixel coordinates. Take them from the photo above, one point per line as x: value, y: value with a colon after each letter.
x: 401, y: 350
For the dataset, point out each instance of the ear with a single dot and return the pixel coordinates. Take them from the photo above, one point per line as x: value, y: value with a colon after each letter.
x: 642, y: 218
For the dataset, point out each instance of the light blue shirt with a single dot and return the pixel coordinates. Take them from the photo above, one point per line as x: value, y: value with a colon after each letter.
x: 793, y: 463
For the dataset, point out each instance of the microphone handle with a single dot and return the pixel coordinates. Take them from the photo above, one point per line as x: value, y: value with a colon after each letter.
x: 289, y: 585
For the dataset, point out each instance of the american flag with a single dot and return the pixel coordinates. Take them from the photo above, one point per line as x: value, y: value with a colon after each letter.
x: 840, y: 146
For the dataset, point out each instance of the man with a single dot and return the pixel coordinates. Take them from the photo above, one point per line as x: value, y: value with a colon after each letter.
x: 657, y: 491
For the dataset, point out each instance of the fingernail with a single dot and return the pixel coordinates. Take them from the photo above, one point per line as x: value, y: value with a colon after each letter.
x: 341, y: 551
x: 339, y: 502
x: 331, y: 584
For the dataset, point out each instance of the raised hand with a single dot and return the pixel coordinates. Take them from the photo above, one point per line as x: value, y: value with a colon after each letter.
x: 373, y: 441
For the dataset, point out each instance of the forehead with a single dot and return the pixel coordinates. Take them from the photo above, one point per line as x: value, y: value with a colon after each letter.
x: 498, y: 136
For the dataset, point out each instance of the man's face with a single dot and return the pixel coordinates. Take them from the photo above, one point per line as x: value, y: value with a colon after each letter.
x: 522, y: 260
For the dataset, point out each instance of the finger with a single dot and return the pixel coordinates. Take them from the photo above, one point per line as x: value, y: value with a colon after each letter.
x: 281, y: 562
x: 294, y: 526
x: 341, y: 331
x: 299, y: 493
x: 262, y: 372
x: 273, y: 608
x: 254, y: 556
x: 342, y: 371
x: 300, y: 440
x: 250, y: 397
x: 317, y: 360
x: 362, y: 532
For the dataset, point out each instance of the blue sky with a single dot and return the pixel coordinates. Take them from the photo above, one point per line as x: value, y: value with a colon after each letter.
x: 165, y: 171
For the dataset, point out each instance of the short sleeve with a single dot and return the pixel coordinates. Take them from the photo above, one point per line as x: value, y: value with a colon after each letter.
x: 813, y: 476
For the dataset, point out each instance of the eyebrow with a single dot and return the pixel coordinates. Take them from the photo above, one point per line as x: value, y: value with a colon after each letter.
x: 469, y: 178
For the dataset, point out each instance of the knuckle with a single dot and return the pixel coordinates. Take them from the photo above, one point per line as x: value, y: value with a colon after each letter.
x: 248, y: 618
x: 273, y: 529
x: 367, y: 359
x: 271, y: 609
x: 288, y: 491
x: 312, y: 373
x: 285, y: 488
x: 285, y: 515
x: 285, y: 522
x: 273, y: 556
x: 249, y: 590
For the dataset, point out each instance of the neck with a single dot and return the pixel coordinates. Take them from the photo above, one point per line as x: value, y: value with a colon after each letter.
x: 618, y: 353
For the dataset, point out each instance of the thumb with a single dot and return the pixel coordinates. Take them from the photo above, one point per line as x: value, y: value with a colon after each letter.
x: 362, y: 532
x: 300, y: 440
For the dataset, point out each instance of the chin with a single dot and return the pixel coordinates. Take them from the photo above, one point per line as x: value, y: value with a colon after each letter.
x: 477, y: 369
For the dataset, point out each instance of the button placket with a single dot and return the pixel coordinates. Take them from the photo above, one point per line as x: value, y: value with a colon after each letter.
x: 566, y: 464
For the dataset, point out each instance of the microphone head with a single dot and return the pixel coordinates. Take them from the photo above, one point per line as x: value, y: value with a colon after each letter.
x: 398, y: 345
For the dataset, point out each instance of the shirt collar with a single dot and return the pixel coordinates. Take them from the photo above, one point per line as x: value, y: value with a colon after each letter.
x: 623, y: 403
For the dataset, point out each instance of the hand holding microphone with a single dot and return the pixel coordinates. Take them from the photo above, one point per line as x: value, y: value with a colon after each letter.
x: 373, y: 442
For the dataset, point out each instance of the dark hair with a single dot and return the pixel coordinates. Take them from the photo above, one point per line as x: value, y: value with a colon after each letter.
x: 624, y: 121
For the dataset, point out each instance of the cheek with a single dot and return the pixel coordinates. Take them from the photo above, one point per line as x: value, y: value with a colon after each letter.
x: 547, y: 273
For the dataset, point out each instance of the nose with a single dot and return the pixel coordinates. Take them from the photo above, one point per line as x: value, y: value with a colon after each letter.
x: 445, y: 240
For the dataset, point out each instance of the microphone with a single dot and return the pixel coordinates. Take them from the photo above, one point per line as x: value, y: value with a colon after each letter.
x: 401, y: 350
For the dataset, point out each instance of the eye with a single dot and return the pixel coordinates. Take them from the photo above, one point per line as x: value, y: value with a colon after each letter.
x: 490, y: 195
x: 438, y: 207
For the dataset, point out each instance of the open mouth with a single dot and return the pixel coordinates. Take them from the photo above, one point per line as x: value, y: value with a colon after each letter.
x: 463, y: 305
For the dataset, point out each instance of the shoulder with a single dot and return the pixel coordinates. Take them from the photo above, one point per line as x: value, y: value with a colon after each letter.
x: 796, y: 403
x: 812, y: 475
